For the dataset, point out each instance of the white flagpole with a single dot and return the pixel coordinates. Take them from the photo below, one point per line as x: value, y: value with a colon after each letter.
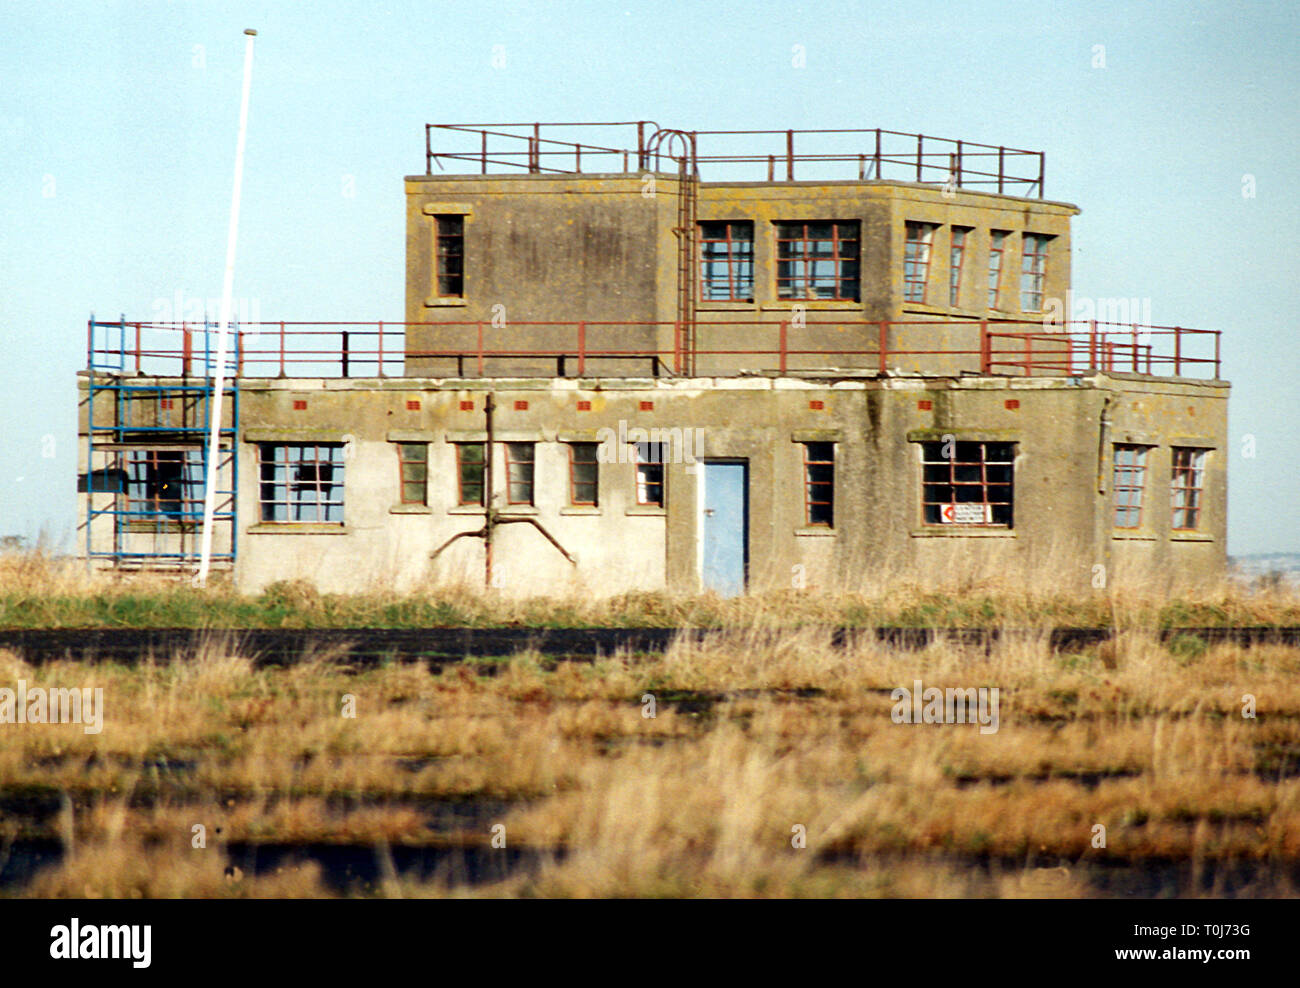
x: 219, y: 375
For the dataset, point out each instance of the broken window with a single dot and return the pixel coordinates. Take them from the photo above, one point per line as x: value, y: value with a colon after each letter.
x: 1033, y: 269
x: 956, y: 258
x: 727, y: 262
x: 650, y: 474
x: 1187, y: 483
x: 1128, y: 483
x: 997, y: 248
x: 469, y: 474
x: 584, y: 473
x: 817, y: 260
x: 164, y: 482
x: 519, y: 472
x: 451, y: 256
x: 819, y: 484
x: 301, y: 482
x: 413, y: 472
x: 916, y: 261
x: 967, y: 483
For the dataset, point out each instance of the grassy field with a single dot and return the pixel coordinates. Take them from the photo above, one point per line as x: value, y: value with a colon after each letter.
x: 762, y: 738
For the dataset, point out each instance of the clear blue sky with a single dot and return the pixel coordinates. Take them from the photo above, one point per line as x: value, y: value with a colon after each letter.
x: 118, y: 125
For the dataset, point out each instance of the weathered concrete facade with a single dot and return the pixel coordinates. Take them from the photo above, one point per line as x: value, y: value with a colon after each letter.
x: 886, y: 389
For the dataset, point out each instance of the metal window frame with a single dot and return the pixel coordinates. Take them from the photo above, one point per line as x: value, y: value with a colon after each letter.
x: 809, y: 484
x: 443, y: 241
x: 574, y: 462
x: 731, y: 261
x: 461, y: 501
x: 288, y: 492
x: 1193, y: 473
x: 403, y: 460
x: 531, y: 463
x: 148, y: 461
x: 984, y: 462
x: 804, y: 259
x: 1135, y: 485
x: 956, y: 262
x: 912, y: 262
x: 997, y: 249
x: 644, y: 464
x: 1033, y: 265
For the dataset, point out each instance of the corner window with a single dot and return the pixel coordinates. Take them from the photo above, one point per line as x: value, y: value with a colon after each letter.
x: 584, y: 474
x: 997, y: 249
x: 1128, y: 484
x: 967, y: 483
x: 469, y: 474
x: 817, y: 260
x: 650, y: 474
x: 916, y: 261
x: 451, y: 256
x: 956, y: 259
x: 301, y: 482
x: 164, y: 482
x: 1186, y: 485
x: 519, y: 472
x: 1033, y: 269
x: 727, y: 262
x: 413, y: 471
x: 819, y: 484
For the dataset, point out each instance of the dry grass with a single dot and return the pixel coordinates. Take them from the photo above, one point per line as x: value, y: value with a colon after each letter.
x: 1147, y: 740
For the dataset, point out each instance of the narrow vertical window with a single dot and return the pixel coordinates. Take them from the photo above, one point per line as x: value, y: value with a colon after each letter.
x: 727, y: 262
x: 451, y: 256
x: 916, y: 261
x: 1187, y: 483
x: 413, y: 472
x: 819, y: 484
x: 650, y: 474
x: 997, y: 248
x: 469, y: 474
x: 1128, y: 484
x: 956, y: 258
x: 584, y: 474
x: 519, y: 472
x: 1033, y: 269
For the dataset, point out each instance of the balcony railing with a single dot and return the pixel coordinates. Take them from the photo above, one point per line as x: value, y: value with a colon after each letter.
x: 735, y: 155
x: 723, y: 348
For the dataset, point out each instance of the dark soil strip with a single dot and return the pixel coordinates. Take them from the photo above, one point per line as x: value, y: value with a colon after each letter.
x: 369, y: 646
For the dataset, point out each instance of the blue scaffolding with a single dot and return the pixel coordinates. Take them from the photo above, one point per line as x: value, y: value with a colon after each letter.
x: 147, y: 425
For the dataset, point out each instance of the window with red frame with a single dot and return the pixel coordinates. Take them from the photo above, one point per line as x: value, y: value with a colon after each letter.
x: 469, y: 474
x: 817, y: 260
x: 916, y: 261
x: 819, y: 484
x: 967, y: 483
x: 1187, y: 483
x: 164, y: 482
x: 997, y: 250
x: 301, y: 482
x: 584, y: 473
x: 956, y: 260
x: 1033, y: 270
x: 727, y: 261
x: 413, y: 472
x: 519, y: 472
x: 650, y: 474
x: 1129, y: 484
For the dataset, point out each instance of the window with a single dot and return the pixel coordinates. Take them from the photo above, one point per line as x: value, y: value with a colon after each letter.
x: 451, y: 256
x: 301, y: 482
x: 817, y: 260
x: 1033, y: 267
x: 967, y: 483
x: 916, y: 261
x: 819, y: 484
x: 650, y: 474
x: 584, y: 473
x: 413, y: 469
x: 1129, y: 482
x: 1187, y: 482
x: 997, y: 247
x: 519, y: 472
x: 469, y: 474
x: 956, y: 255
x: 164, y: 482
x: 727, y: 262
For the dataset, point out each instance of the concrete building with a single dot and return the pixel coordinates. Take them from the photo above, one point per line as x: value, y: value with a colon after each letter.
x: 722, y: 361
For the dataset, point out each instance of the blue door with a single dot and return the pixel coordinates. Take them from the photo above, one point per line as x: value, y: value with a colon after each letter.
x: 725, y: 556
